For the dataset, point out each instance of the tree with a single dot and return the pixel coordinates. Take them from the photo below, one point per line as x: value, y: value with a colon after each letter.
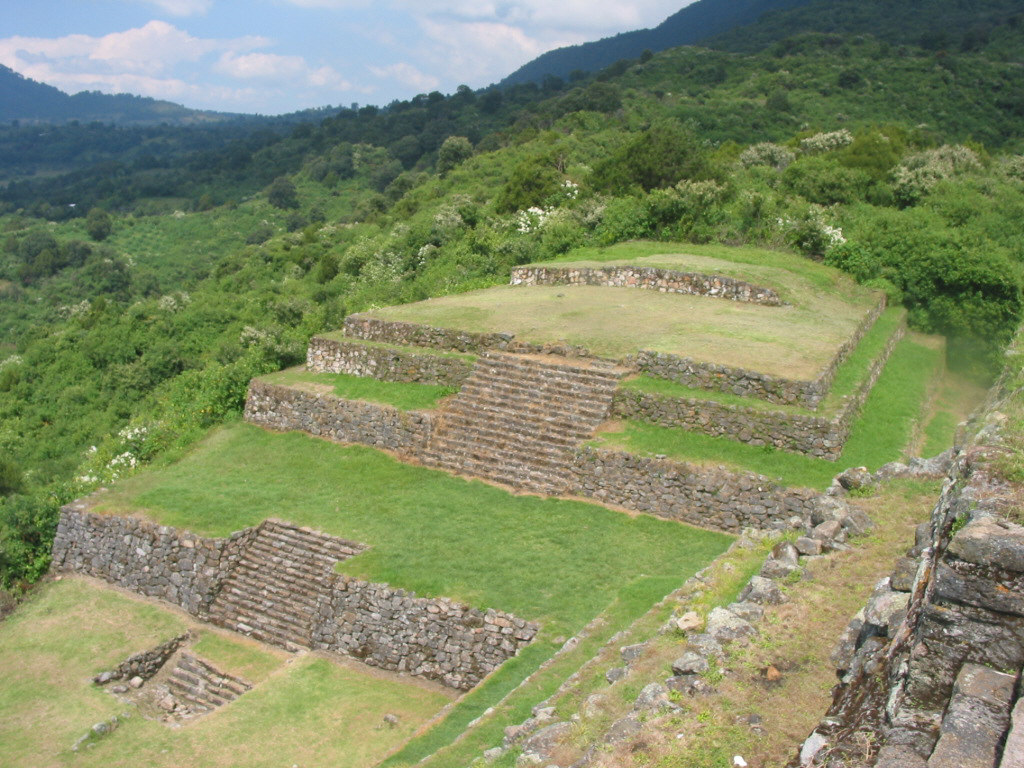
x: 98, y: 224
x: 282, y: 194
x: 661, y: 156
x: 453, y: 152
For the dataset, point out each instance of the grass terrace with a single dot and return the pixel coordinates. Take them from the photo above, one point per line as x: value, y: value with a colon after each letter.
x: 794, y: 341
x: 71, y: 630
x: 883, y: 431
x: 555, y: 561
x: 402, y: 395
x: 849, y: 376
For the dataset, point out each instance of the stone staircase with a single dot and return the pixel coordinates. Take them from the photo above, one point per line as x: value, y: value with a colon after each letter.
x: 271, y: 593
x: 198, y: 687
x: 518, y: 419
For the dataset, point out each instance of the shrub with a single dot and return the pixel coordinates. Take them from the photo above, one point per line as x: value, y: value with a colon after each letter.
x: 767, y: 153
x: 920, y: 172
x: 826, y: 142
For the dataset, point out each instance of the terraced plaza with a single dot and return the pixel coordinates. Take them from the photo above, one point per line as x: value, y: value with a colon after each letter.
x: 450, y: 490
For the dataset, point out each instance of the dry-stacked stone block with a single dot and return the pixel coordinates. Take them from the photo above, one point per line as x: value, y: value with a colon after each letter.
x: 385, y: 363
x: 348, y: 421
x: 649, y: 278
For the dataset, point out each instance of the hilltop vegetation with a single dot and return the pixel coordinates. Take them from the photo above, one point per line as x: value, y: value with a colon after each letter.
x: 121, y: 347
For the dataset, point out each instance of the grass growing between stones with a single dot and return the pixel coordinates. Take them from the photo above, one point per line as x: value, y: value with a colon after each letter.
x: 404, y: 396
x: 556, y: 561
x: 796, y: 640
x: 880, y: 434
x: 437, y: 745
x: 307, y: 711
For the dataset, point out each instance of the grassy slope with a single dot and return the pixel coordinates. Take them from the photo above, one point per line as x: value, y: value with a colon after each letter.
x: 879, y: 435
x: 71, y: 630
x: 553, y: 560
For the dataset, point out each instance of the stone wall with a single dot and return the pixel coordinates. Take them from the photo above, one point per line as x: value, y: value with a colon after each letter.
x: 707, y: 497
x: 799, y: 433
x: 396, y: 332
x: 746, y: 383
x: 144, y: 664
x: 432, y: 638
x: 385, y: 627
x: 348, y: 421
x: 650, y: 278
x: 385, y: 363
x: 153, y: 560
x: 930, y: 668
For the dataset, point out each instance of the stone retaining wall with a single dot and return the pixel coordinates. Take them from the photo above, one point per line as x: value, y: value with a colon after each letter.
x: 650, y: 278
x: 746, y: 383
x: 799, y: 433
x: 348, y: 421
x: 384, y: 363
x: 385, y: 627
x: 432, y: 638
x: 396, y: 332
x: 153, y: 560
x: 144, y: 664
x: 707, y: 497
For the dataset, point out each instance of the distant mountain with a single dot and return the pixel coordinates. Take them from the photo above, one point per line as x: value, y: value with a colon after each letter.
x: 993, y: 26
x: 28, y: 101
x: 748, y: 26
x: 690, y: 25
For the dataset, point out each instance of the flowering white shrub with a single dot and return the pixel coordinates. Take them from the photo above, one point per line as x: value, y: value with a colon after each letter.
x: 826, y: 142
x: 1014, y: 167
x: 118, y: 455
x: 532, y: 219
x: 173, y: 302
x: 767, y: 153
x: 918, y: 173
x: 11, y: 360
x: 811, y: 233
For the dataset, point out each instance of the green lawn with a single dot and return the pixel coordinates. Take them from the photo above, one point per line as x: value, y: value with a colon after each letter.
x: 402, y: 395
x: 560, y: 562
x: 879, y: 435
x: 309, y: 712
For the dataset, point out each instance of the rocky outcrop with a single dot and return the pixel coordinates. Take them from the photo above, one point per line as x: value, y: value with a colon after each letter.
x: 930, y: 669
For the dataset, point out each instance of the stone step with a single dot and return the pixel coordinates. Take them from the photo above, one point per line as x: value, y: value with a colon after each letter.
x: 550, y: 384
x: 543, y: 442
x: 543, y: 389
x: 497, y: 412
x: 278, y: 600
x: 529, y: 407
x: 320, y: 544
x: 595, y: 369
x: 251, y: 578
x: 264, y: 627
x: 517, y: 457
x: 264, y: 554
x: 472, y: 462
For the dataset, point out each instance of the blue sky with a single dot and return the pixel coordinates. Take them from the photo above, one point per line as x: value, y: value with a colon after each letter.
x: 274, y: 56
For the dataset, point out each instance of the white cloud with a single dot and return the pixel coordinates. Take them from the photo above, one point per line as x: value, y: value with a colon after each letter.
x: 480, y: 52
x: 407, y: 75
x: 181, y: 7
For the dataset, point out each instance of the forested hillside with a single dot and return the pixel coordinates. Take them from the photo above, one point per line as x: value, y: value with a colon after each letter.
x: 133, y: 321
